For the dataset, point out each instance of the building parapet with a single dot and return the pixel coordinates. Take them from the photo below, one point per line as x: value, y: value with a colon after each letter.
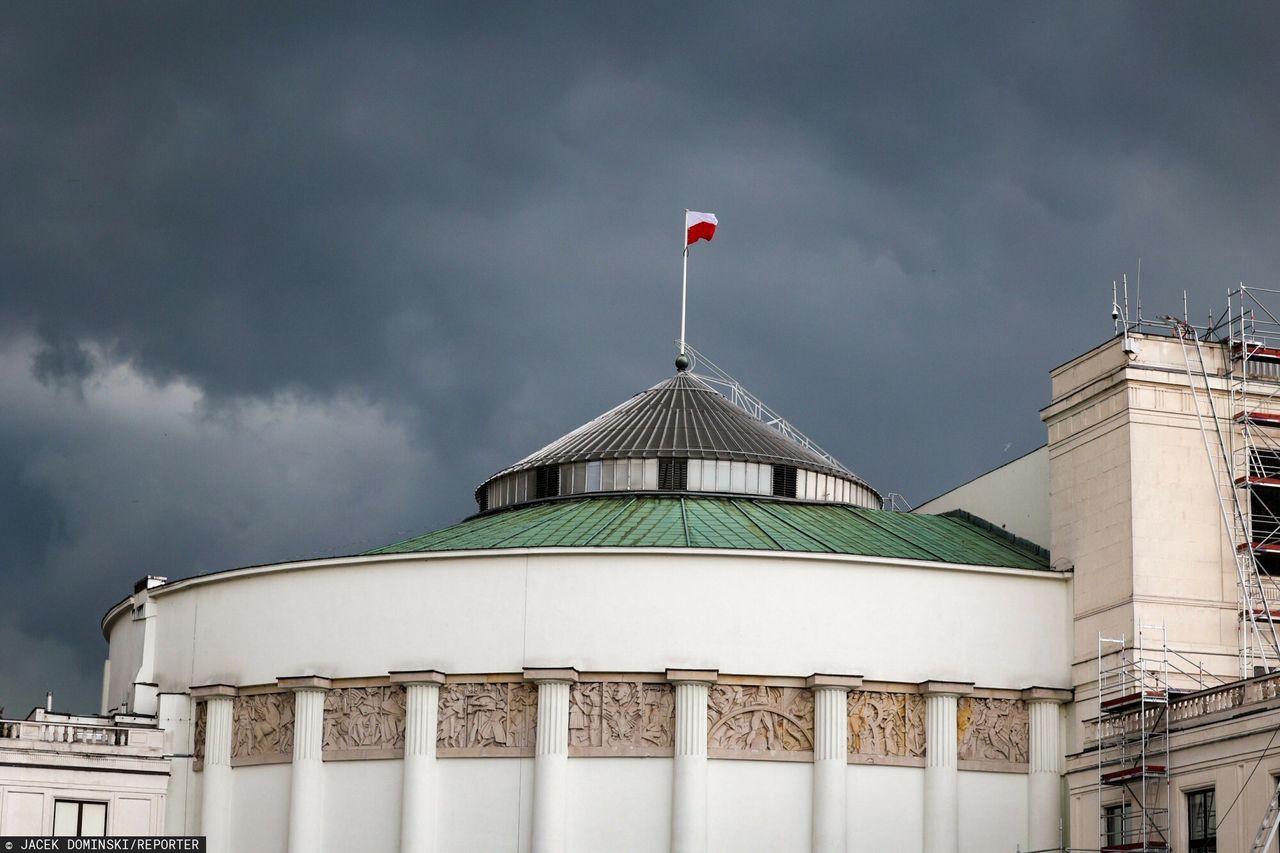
x: 1213, y: 704
x: 81, y: 737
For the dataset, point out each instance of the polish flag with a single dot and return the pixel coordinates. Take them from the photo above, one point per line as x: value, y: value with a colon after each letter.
x: 700, y: 226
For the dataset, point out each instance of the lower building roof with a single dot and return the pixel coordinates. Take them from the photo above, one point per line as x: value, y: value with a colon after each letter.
x: 757, y: 524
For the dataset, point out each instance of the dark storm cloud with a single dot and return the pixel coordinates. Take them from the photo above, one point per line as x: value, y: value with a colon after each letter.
x: 269, y: 273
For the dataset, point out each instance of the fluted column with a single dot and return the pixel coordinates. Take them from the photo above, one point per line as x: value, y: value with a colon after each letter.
x: 215, y: 802
x: 306, y: 785
x: 418, y: 793
x: 1045, y: 757
x: 941, y: 770
x: 689, y: 782
x: 831, y: 760
x: 551, y: 758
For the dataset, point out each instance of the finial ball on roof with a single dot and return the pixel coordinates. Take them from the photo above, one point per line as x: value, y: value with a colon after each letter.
x: 682, y: 362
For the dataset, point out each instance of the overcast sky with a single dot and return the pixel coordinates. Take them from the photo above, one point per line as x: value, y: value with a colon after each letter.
x: 282, y: 283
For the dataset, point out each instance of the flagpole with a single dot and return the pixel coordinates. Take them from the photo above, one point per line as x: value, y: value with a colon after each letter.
x: 684, y: 284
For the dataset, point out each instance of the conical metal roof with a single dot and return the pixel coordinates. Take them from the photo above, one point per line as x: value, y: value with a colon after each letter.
x: 680, y: 417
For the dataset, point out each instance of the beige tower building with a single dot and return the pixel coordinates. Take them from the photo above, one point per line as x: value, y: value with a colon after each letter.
x: 1154, y: 491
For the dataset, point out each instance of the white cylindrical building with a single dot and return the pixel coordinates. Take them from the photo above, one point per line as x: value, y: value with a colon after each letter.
x: 624, y: 648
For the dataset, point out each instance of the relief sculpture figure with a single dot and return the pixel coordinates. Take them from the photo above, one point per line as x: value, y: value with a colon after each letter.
x: 622, y: 713
x: 760, y: 718
x: 522, y: 700
x: 914, y: 713
x: 620, y: 717
x: 486, y: 717
x: 452, y: 717
x: 585, y: 714
x: 364, y: 718
x: 992, y: 729
x: 890, y: 724
x: 262, y: 724
x: 201, y: 726
x: 659, y: 715
x: 482, y: 715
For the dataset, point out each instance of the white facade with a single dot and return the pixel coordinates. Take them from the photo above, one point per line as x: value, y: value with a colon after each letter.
x: 1014, y: 496
x: 116, y: 766
x: 648, y: 615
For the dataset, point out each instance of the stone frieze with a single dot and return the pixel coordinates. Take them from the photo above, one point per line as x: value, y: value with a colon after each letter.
x: 360, y: 720
x: 621, y: 718
x: 477, y: 718
x: 992, y: 730
x: 759, y: 721
x: 262, y: 728
x: 886, y: 725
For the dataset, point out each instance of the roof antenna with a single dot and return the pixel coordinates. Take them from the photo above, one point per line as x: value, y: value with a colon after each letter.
x: 1138, y: 287
x: 1115, y: 309
x: 1130, y: 345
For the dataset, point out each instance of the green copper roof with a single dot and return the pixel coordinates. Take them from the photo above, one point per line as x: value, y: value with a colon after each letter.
x: 759, y: 524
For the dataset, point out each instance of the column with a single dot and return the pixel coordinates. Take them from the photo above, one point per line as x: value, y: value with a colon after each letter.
x: 831, y: 760
x: 306, y: 787
x: 215, y: 801
x: 1045, y: 756
x: 941, y: 771
x: 418, y: 795
x: 551, y: 758
x: 689, y: 782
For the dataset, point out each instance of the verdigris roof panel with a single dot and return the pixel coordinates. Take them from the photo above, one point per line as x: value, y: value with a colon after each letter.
x: 701, y: 521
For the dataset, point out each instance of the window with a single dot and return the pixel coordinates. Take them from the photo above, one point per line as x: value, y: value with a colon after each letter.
x: 73, y: 817
x: 1202, y: 822
x: 673, y: 474
x: 784, y: 481
x: 546, y: 481
x: 1113, y: 818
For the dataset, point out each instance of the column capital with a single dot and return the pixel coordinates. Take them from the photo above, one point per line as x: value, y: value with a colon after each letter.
x: 417, y: 676
x: 551, y: 674
x: 840, y: 682
x: 693, y: 676
x: 303, y: 682
x: 213, y: 691
x: 1047, y: 694
x: 946, y: 688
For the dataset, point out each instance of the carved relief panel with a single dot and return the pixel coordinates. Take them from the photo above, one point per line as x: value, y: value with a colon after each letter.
x: 364, y: 722
x: 992, y: 730
x: 487, y: 719
x: 200, y: 727
x: 759, y: 721
x: 621, y: 718
x: 262, y: 728
x: 888, y: 727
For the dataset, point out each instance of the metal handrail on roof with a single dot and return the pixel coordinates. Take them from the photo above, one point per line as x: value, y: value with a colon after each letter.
x: 754, y: 406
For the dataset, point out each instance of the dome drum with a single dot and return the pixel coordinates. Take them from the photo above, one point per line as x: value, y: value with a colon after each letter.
x: 719, y: 476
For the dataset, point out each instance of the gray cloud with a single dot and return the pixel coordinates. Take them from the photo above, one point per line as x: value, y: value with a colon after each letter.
x: 346, y: 264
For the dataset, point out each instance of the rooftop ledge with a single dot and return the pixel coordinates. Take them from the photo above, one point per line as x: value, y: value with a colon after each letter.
x: 1214, y: 704
x: 82, y: 739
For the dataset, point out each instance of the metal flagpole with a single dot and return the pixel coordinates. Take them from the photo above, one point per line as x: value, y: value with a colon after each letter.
x: 684, y: 284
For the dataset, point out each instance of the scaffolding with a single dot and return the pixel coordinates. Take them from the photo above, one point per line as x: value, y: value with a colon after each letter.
x: 1133, y: 741
x: 1243, y: 446
x: 1253, y: 342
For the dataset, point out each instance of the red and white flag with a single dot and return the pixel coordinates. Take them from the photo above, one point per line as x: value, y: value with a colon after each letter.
x: 699, y: 226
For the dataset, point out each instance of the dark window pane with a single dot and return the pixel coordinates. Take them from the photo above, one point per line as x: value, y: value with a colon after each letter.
x: 1202, y: 820
x: 673, y: 474
x: 784, y: 481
